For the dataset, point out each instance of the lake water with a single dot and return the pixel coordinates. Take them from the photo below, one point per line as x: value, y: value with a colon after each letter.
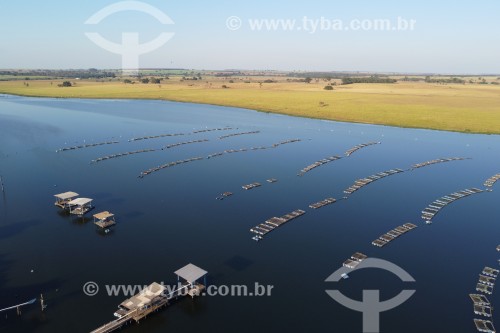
x: 171, y: 217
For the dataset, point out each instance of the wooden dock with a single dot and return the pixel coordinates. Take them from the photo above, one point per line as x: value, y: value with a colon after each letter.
x: 154, y: 298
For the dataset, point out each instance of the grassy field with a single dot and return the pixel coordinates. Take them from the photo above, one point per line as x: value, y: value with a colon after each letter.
x: 472, y: 108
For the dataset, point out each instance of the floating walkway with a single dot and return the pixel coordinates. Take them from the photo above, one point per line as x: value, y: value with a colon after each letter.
x: 237, y: 134
x: 360, y: 183
x: 437, y: 161
x: 264, y: 228
x: 87, y: 146
x: 172, y: 145
x: 393, y: 234
x: 355, y: 260
x: 323, y: 203
x: 318, y: 164
x: 435, y: 207
x: 156, y: 297
x: 360, y: 146
x: 168, y: 165
x: 492, y: 180
x: 109, y: 157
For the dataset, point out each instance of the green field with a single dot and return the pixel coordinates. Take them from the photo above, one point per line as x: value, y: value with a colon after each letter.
x: 472, y: 108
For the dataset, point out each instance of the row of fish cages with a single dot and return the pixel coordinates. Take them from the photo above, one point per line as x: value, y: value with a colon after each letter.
x: 237, y: 134
x: 214, y: 130
x: 360, y: 183
x: 173, y: 145
x: 354, y: 260
x: 168, y: 165
x: 88, y: 145
x: 435, y: 207
x: 318, y: 164
x: 166, y: 135
x: 110, y: 157
x: 323, y: 203
x: 360, y: 146
x: 437, y: 161
x: 492, y: 180
x: 482, y: 306
x: 232, y: 151
x: 251, y: 186
x: 159, y: 136
x: 393, y: 234
x: 275, y: 222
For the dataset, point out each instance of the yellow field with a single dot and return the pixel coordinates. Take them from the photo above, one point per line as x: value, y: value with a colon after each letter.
x: 464, y: 108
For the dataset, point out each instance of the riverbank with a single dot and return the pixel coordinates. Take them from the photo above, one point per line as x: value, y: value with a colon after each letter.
x: 460, y: 108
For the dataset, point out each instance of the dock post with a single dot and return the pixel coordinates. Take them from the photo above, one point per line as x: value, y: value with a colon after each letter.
x: 18, y: 311
x: 42, y: 305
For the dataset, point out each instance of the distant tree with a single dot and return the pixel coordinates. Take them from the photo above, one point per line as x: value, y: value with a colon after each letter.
x: 308, y: 80
x: 328, y: 87
x: 155, y: 80
x: 127, y: 81
x: 224, y: 86
x: 145, y: 81
x: 65, y: 84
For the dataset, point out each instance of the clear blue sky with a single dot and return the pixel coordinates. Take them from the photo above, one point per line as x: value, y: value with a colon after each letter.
x: 449, y: 37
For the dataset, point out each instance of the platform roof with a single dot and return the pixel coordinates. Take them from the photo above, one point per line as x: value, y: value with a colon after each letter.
x: 66, y: 195
x: 103, y: 215
x: 191, y: 273
x: 80, y: 201
x: 145, y: 297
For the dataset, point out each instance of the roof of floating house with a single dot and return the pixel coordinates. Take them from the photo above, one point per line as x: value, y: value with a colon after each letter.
x: 66, y: 195
x: 80, y: 201
x: 191, y: 273
x: 103, y: 215
x: 145, y: 297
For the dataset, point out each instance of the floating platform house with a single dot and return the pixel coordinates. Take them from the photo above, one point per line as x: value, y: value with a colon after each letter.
x: 62, y: 199
x: 155, y: 297
x: 80, y: 206
x: 104, y: 220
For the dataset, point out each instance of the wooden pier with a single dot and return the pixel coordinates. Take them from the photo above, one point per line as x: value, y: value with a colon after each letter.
x: 155, y: 297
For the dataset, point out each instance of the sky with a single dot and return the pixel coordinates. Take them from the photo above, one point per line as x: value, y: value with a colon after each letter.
x: 449, y: 37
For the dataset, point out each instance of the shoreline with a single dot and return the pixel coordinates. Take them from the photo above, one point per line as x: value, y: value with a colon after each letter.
x: 250, y: 109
